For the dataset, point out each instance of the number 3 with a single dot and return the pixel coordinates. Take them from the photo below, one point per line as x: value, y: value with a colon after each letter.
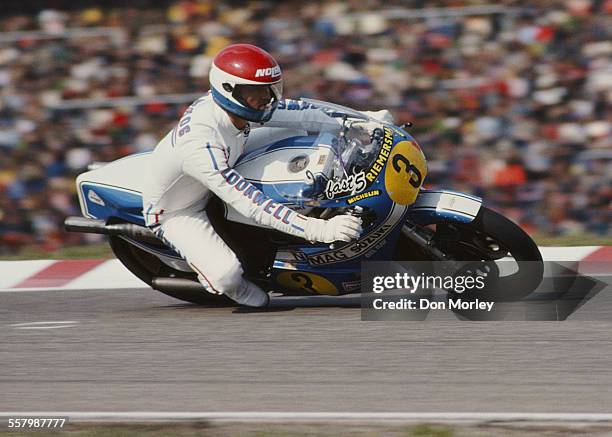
x: 304, y: 281
x: 413, y: 172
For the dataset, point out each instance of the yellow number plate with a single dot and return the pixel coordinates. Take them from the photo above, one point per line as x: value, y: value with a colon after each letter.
x: 307, y: 282
x: 405, y: 172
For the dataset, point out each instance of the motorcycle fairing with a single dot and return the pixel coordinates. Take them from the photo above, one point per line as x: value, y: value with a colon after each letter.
x: 101, y: 201
x: 444, y: 206
x: 112, y: 191
x: 288, y: 171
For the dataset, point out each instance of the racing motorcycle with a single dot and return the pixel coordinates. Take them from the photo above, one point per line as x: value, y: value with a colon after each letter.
x: 376, y: 173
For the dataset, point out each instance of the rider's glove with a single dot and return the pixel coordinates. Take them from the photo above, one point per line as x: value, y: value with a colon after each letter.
x: 339, y: 228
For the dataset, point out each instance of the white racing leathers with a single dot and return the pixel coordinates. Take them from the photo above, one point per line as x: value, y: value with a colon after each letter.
x: 194, y: 161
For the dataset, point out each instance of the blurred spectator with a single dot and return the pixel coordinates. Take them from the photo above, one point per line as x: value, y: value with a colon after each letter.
x: 512, y: 105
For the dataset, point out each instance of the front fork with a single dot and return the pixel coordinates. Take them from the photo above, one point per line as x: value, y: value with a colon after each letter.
x: 425, y: 243
x: 440, y: 205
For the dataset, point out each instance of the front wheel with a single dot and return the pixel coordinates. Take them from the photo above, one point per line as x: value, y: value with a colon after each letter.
x: 489, y: 237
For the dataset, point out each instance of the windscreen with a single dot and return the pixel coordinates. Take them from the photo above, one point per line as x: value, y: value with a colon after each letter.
x: 337, y: 157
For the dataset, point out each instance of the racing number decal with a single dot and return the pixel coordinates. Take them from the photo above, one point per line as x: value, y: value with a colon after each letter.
x: 415, y: 175
x: 405, y: 176
x: 308, y: 282
x: 304, y: 281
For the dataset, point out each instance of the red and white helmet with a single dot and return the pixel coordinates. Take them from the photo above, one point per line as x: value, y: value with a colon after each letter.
x: 244, y: 64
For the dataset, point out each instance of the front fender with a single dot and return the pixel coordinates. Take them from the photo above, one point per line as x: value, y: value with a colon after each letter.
x: 434, y: 206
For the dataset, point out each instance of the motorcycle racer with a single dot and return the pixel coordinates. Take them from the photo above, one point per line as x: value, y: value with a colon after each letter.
x: 194, y: 161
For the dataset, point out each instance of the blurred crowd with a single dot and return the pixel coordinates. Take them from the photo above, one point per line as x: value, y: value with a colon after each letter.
x: 510, y: 102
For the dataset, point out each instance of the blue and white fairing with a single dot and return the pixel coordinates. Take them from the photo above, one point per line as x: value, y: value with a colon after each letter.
x: 114, y: 190
x: 326, y: 172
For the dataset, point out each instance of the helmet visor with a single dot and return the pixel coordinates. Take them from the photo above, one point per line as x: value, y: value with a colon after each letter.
x: 259, y: 97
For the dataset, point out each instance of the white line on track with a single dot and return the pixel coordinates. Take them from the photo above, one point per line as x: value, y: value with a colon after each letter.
x: 45, y: 325
x: 59, y: 322
x: 282, y: 416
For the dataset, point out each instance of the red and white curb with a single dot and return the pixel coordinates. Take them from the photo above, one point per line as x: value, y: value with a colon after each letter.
x: 111, y: 274
x: 66, y: 275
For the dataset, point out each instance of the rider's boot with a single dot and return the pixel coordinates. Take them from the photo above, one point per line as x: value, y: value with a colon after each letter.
x: 249, y: 294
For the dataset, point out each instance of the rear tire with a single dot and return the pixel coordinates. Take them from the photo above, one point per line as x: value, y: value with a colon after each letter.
x: 147, y: 266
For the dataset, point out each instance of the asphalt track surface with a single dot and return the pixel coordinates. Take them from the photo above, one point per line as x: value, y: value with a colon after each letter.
x: 138, y: 350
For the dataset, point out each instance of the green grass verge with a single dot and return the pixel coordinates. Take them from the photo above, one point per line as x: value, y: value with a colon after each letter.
x: 243, y: 430
x: 573, y: 240
x: 184, y: 429
x: 94, y: 251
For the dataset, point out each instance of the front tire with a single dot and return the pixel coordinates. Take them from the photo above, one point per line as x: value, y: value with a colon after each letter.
x: 489, y: 237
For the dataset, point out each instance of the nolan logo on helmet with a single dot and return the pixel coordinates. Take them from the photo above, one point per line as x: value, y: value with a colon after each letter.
x: 270, y: 71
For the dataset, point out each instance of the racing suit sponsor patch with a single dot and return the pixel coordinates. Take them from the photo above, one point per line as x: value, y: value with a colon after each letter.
x: 276, y: 210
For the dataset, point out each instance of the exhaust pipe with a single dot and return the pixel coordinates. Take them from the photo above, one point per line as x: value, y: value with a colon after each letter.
x: 190, y: 291
x: 93, y: 226
x: 177, y: 284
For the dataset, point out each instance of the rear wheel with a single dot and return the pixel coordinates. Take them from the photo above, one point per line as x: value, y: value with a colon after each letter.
x: 147, y: 266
